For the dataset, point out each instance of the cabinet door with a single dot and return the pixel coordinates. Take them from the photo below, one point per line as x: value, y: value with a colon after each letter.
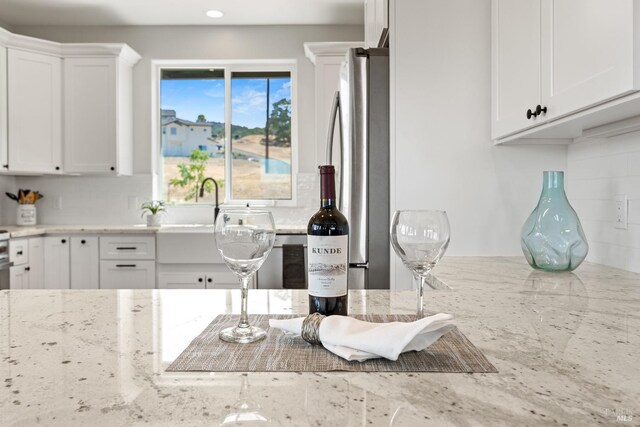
x: 516, y: 64
x: 587, y: 53
x: 90, y: 125
x: 127, y: 274
x: 85, y: 263
x: 19, y: 277
x: 19, y: 251
x: 181, y: 281
x: 36, y: 262
x: 4, y: 159
x: 35, y: 104
x: 56, y: 262
x: 226, y: 280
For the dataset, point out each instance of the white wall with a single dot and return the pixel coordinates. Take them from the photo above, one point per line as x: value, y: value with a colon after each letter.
x: 194, y: 42
x: 597, y: 171
x: 443, y: 157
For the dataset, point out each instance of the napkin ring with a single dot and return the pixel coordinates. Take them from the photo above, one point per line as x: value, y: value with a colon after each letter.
x: 311, y: 328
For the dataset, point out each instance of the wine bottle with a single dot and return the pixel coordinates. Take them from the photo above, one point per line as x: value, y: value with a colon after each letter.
x: 328, y: 252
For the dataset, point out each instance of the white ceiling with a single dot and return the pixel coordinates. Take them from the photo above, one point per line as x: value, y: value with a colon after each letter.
x: 180, y: 12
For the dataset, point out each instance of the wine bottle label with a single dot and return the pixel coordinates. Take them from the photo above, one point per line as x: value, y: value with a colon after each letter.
x: 328, y: 265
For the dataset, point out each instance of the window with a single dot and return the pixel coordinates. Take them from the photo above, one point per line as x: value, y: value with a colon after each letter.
x: 174, y: 131
x: 246, y: 142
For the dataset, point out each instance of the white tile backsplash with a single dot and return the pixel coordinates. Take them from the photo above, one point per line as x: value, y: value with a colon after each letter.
x: 597, y: 170
x: 106, y: 200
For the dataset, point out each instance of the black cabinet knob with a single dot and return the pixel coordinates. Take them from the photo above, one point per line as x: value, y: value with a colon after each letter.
x: 112, y: 168
x: 83, y: 241
x: 200, y: 279
x: 19, y: 253
x: 5, y: 166
x: 27, y: 269
x: 57, y: 168
x: 531, y: 113
x: 540, y: 110
x: 209, y: 280
x: 64, y: 241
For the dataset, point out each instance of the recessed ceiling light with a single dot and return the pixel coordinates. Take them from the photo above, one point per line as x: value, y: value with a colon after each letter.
x: 214, y: 14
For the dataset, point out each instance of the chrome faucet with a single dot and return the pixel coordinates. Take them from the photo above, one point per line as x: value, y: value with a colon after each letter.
x: 217, y: 208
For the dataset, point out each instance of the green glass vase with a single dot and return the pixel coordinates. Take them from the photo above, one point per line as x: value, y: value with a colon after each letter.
x: 552, y: 238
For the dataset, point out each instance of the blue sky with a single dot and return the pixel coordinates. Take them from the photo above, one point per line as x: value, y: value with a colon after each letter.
x: 249, y: 96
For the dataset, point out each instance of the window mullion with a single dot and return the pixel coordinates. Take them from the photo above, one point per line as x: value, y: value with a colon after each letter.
x: 228, y: 156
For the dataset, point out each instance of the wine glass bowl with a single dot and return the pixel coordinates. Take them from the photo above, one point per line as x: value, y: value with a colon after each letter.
x: 244, y: 238
x: 420, y: 239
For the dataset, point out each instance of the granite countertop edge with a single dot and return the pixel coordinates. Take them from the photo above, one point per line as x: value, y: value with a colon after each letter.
x: 39, y: 230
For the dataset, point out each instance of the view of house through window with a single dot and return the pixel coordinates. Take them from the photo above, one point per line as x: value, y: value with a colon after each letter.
x: 193, y: 106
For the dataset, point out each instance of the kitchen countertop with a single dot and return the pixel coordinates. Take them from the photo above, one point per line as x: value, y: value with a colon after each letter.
x: 566, y: 347
x: 39, y: 230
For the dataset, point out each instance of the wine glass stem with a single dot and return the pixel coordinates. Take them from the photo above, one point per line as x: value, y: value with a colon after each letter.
x: 244, y: 289
x: 420, y: 311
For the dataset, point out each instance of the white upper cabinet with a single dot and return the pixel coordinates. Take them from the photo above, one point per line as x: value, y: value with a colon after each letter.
x: 376, y: 19
x: 34, y: 108
x: 98, y: 126
x: 516, y: 64
x: 566, y: 61
x: 65, y: 107
x: 4, y: 159
x: 588, y: 53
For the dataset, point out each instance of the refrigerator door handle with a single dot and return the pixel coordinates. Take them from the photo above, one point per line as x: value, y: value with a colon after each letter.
x: 335, y: 109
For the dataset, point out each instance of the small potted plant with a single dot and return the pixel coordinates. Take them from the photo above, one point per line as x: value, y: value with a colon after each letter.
x: 26, y: 212
x: 153, y: 209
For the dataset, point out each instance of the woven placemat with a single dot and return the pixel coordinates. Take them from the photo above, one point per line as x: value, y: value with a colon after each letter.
x: 453, y: 352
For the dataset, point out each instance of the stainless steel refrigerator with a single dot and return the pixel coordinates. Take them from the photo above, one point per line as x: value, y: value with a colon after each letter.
x: 361, y: 107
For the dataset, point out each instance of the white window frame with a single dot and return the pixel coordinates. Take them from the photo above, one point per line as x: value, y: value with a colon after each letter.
x: 230, y: 66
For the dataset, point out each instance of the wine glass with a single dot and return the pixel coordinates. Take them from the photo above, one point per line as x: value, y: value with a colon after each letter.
x: 244, y: 238
x: 420, y: 239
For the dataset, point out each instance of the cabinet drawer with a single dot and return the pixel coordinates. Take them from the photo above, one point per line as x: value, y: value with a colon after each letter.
x: 128, y: 247
x: 19, y: 251
x: 127, y: 274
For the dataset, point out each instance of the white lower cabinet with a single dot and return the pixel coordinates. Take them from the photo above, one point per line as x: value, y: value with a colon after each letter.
x: 36, y: 263
x: 200, y: 279
x: 127, y: 274
x: 181, y: 280
x: 19, y: 277
x: 56, y: 262
x: 85, y: 263
x: 27, y: 256
x: 128, y: 262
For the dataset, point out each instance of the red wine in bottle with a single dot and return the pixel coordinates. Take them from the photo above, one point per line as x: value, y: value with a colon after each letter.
x: 328, y: 252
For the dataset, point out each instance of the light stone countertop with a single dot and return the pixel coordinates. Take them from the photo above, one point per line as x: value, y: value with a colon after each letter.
x: 39, y: 230
x: 566, y: 347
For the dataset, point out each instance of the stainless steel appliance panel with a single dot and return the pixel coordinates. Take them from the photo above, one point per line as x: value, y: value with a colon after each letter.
x: 354, y: 170
x: 378, y: 167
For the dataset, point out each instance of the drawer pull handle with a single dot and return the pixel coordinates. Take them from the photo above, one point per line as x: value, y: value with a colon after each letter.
x: 200, y: 279
x: 126, y: 265
x: 64, y: 241
x: 19, y: 253
x: 209, y: 280
x: 83, y: 241
x: 27, y: 269
x: 125, y: 248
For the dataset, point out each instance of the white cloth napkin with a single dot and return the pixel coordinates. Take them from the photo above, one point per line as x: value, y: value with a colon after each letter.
x: 354, y: 339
